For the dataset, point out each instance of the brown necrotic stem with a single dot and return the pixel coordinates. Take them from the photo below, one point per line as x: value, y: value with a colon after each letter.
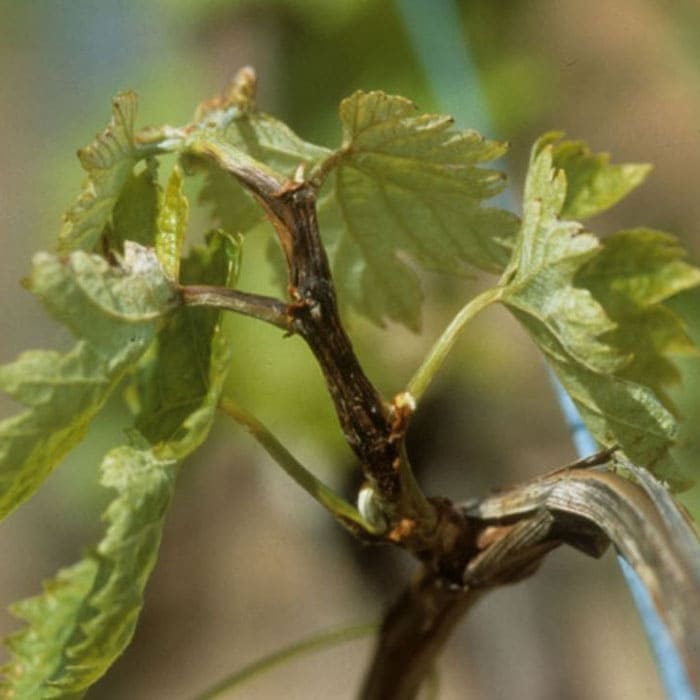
x: 412, y: 636
x: 369, y: 424
x: 363, y: 415
x: 421, y: 621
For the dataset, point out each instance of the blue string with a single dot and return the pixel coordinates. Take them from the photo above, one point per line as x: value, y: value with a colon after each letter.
x: 434, y: 29
x: 671, y: 668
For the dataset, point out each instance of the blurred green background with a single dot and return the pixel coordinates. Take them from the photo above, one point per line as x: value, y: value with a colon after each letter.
x: 248, y: 563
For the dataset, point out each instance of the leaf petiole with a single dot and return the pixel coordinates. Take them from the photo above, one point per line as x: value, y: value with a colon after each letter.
x: 268, y: 309
x: 438, y: 353
x: 317, y: 642
x: 343, y: 511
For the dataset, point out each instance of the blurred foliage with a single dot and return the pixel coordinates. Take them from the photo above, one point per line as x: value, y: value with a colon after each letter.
x: 687, y: 453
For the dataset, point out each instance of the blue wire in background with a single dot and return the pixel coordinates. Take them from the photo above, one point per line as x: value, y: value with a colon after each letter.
x: 435, y: 31
x: 668, y: 662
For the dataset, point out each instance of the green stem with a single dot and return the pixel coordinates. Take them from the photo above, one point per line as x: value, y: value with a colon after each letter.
x: 432, y: 684
x: 432, y: 363
x: 415, y: 502
x: 306, y: 646
x: 345, y: 513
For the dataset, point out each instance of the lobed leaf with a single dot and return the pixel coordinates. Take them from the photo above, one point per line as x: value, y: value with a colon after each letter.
x: 233, y: 119
x: 572, y: 328
x: 179, y: 385
x: 88, y: 613
x: 135, y: 213
x: 109, y: 161
x: 125, y: 556
x: 230, y: 127
x: 593, y: 185
x: 231, y: 207
x: 409, y: 184
x: 635, y: 271
x: 115, y: 313
x: 547, y: 254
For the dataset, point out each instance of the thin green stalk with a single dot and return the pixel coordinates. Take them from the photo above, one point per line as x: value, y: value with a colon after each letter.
x: 416, y: 504
x: 432, y: 363
x: 340, y: 508
x: 432, y: 684
x: 306, y: 646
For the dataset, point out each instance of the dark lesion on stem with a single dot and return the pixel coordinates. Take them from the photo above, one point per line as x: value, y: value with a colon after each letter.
x: 373, y: 428
x: 364, y: 417
x: 312, y: 312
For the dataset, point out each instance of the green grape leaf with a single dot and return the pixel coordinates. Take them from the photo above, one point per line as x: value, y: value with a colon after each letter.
x: 136, y: 212
x: 230, y: 125
x: 217, y: 154
x: 179, y: 385
x: 271, y: 142
x: 592, y: 183
x: 233, y: 119
x: 232, y: 208
x: 87, y: 614
x: 109, y: 161
x: 570, y: 326
x: 408, y: 184
x: 172, y: 225
x: 635, y: 272
x: 37, y: 649
x: 115, y: 312
x: 404, y: 183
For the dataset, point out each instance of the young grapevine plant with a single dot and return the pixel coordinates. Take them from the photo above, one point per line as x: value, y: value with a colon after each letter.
x: 356, y: 224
